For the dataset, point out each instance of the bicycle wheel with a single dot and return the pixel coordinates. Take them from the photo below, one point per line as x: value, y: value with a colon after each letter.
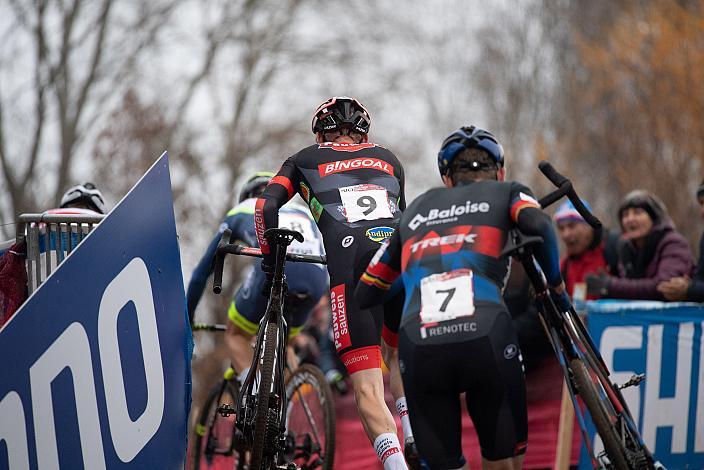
x: 265, y: 422
x: 213, y: 447
x: 588, y: 391
x: 310, y: 420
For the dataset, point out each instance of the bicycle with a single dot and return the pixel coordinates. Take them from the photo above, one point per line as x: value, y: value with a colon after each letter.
x: 585, y: 371
x: 265, y: 433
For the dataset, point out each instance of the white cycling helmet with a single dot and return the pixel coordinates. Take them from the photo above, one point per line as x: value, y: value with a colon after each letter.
x: 86, y: 194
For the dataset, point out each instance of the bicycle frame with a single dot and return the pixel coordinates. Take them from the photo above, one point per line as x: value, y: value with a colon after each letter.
x: 247, y: 398
x: 571, y: 340
x: 566, y: 331
x: 274, y: 314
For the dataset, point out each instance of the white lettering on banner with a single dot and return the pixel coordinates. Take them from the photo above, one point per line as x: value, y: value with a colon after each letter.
x: 699, y: 420
x: 71, y: 349
x: 14, y: 432
x: 131, y: 285
x: 619, y: 338
x: 664, y: 412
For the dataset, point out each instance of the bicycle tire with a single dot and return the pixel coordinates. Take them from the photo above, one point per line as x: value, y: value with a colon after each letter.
x: 587, y: 390
x: 312, y: 375
x: 262, y: 421
x: 203, y: 431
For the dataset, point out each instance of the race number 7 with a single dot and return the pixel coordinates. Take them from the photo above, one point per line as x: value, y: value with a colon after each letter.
x: 446, y: 296
x: 450, y: 293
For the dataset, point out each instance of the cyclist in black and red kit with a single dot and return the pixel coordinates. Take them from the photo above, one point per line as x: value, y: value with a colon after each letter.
x: 355, y: 191
x: 456, y: 334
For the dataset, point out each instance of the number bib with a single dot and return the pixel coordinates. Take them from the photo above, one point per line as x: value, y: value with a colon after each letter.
x: 365, y: 202
x: 301, y: 224
x: 446, y: 296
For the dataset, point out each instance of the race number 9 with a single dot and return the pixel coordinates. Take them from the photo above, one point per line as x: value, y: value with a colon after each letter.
x: 446, y: 296
x: 365, y: 202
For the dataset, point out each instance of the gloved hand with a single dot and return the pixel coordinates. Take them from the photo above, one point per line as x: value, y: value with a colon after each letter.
x: 598, y: 284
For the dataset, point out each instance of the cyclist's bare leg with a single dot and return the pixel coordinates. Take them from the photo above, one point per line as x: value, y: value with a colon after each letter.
x: 513, y: 463
x: 239, y: 347
x: 390, y: 355
x: 368, y: 388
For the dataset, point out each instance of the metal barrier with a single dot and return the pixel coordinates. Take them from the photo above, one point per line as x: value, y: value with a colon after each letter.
x: 50, y: 239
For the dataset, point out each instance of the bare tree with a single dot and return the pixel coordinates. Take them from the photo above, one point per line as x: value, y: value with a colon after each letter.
x: 73, y: 58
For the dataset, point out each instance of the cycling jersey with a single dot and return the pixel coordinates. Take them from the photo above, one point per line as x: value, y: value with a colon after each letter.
x: 249, y: 305
x: 355, y: 193
x: 456, y: 333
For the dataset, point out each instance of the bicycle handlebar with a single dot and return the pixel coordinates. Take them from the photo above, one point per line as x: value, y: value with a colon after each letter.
x: 565, y: 188
x: 225, y: 248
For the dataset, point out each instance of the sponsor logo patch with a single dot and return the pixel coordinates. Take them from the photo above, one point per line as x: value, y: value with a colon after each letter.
x: 510, y: 351
x: 346, y: 147
x: 305, y: 192
x: 379, y: 234
x: 340, y: 328
x: 431, y: 331
x: 347, y: 241
x: 442, y: 216
x: 326, y: 169
x: 315, y: 208
x: 446, y: 240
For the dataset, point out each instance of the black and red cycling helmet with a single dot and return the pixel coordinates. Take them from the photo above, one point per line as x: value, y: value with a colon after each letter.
x: 341, y: 112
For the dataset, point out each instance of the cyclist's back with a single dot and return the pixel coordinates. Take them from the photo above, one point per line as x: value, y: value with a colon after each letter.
x: 460, y: 230
x: 456, y: 333
x: 354, y: 190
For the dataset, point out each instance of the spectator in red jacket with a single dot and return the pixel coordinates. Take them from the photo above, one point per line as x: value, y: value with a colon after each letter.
x: 651, y: 251
x: 586, y: 250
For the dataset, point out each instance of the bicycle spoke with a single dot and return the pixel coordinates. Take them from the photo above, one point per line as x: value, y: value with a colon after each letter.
x: 311, y: 420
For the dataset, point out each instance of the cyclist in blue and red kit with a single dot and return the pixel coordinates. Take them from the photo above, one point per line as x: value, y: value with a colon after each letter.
x: 456, y: 334
x: 355, y: 191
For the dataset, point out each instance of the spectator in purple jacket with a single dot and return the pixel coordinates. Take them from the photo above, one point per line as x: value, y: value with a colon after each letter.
x: 682, y: 287
x: 650, y: 251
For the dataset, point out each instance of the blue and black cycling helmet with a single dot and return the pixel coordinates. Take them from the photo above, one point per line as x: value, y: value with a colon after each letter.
x: 341, y: 112
x: 255, y: 185
x: 467, y: 138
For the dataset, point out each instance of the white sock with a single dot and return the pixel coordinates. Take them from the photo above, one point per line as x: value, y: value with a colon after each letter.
x: 389, y: 452
x: 402, y: 409
x: 243, y: 375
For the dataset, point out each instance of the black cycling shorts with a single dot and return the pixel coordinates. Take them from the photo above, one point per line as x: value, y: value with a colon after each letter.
x: 488, y: 368
x: 357, y: 332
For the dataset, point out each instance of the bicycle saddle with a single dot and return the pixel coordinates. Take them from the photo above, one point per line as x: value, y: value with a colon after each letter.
x: 282, y: 236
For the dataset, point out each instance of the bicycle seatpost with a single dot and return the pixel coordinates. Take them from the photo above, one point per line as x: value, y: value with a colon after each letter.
x: 281, y: 238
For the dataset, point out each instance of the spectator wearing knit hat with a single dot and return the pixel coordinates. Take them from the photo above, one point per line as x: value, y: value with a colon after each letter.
x: 586, y: 250
x: 650, y: 251
x: 682, y: 287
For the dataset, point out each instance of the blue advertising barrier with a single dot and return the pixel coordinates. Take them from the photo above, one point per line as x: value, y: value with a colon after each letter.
x: 664, y: 342
x: 95, y: 366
